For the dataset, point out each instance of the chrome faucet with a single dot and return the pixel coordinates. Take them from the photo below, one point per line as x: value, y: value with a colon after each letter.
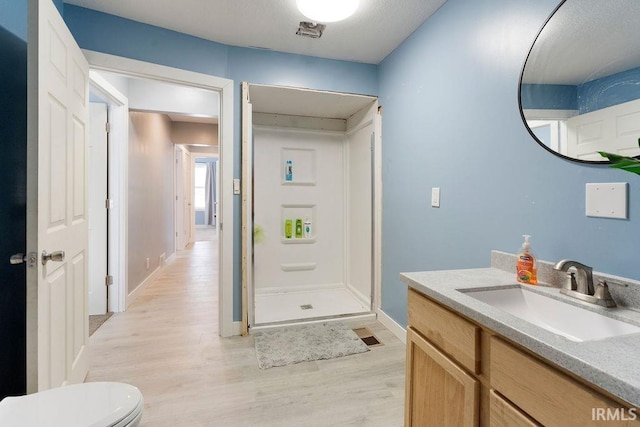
x: 585, y: 285
x: 583, y: 288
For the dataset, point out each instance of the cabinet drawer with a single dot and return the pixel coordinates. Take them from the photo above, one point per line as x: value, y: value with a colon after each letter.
x: 504, y: 414
x: 454, y: 335
x: 548, y: 395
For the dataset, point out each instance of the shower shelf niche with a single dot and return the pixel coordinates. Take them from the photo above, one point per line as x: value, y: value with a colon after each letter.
x: 303, y: 165
x: 294, y: 241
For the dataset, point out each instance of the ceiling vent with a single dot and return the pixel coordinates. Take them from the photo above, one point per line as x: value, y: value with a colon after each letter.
x: 311, y: 29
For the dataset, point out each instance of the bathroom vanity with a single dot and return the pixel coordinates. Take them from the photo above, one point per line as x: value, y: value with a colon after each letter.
x: 470, y: 363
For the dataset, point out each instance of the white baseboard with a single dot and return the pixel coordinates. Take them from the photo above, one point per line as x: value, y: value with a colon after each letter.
x: 392, y: 326
x: 142, y: 286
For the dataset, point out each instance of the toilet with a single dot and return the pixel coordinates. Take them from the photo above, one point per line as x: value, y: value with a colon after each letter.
x: 99, y: 404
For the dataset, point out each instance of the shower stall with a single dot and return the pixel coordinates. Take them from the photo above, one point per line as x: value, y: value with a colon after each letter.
x: 311, y: 203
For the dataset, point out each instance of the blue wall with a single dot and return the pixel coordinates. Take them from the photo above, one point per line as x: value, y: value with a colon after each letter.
x: 590, y: 96
x: 117, y: 36
x: 608, y: 91
x: 549, y: 97
x: 13, y: 17
x: 451, y: 120
x: 13, y: 211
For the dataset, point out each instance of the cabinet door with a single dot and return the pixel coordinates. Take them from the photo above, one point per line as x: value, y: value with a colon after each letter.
x: 503, y: 414
x: 438, y: 392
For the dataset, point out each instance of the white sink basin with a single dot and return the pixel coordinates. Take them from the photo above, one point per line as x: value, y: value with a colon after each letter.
x: 574, y: 323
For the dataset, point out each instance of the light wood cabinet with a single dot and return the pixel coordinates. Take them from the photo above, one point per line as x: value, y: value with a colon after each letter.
x: 461, y: 374
x: 504, y: 414
x: 438, y: 392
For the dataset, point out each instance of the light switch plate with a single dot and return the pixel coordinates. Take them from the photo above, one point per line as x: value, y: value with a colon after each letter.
x: 435, y: 197
x: 606, y: 200
x: 236, y: 186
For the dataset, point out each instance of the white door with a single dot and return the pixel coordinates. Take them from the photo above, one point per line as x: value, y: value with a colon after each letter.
x: 614, y: 129
x: 187, y: 206
x: 179, y: 209
x: 97, y: 208
x: 58, y: 91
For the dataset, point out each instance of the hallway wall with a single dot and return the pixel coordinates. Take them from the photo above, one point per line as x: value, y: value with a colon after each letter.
x: 151, y: 225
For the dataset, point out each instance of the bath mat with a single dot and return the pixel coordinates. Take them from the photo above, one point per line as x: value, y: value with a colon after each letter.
x: 304, y: 343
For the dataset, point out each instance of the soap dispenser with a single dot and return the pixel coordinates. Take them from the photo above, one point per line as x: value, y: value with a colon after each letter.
x: 526, y: 265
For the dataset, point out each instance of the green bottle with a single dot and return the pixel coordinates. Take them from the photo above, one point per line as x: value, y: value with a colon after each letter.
x: 298, y: 228
x: 288, y: 226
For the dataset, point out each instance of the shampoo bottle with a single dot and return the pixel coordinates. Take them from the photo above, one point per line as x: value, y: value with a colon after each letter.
x: 288, y: 228
x: 307, y: 228
x: 526, y: 266
x: 298, y: 228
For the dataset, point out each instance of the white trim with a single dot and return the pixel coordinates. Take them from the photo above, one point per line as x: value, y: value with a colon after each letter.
x: 537, y: 114
x: 392, y: 326
x: 131, y: 67
x: 142, y: 286
x: 377, y: 202
x: 146, y: 282
x: 118, y: 106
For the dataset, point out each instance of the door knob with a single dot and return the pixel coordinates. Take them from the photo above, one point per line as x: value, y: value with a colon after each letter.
x: 53, y: 256
x: 29, y: 258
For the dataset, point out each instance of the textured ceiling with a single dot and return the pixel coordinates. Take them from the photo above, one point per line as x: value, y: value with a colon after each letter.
x: 586, y: 40
x: 374, y: 31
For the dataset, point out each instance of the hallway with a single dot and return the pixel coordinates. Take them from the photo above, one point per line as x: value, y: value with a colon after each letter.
x: 167, y: 345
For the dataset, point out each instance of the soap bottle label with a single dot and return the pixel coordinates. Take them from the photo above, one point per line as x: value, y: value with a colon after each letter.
x: 307, y: 229
x: 288, y: 170
x: 288, y: 228
x: 526, y: 272
x: 298, y: 228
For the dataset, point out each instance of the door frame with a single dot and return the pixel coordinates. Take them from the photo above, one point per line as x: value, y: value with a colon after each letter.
x: 247, y: 286
x: 118, y: 112
x: 195, y: 156
x: 180, y: 199
x: 131, y: 67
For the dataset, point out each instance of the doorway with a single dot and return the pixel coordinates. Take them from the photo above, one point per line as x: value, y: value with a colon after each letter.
x: 133, y: 68
x: 311, y: 161
x: 205, y: 200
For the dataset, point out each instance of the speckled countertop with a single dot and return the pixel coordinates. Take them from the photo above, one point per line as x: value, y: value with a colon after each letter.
x: 612, y: 364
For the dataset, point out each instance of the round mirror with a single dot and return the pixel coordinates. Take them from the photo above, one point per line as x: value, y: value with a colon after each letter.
x: 580, y: 85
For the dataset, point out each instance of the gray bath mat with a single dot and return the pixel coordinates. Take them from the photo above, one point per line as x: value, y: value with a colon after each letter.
x: 295, y: 344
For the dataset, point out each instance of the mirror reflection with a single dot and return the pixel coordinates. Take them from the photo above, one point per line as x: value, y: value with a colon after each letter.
x: 580, y: 86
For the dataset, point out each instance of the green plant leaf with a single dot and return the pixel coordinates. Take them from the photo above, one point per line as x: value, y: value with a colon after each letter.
x: 628, y: 164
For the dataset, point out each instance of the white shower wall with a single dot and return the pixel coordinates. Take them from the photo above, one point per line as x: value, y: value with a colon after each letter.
x: 316, y: 192
x: 359, y: 193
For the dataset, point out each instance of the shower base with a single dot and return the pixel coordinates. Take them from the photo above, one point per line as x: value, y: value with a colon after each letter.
x: 309, y: 304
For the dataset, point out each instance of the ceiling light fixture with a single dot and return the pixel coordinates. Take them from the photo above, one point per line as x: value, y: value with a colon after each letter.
x: 327, y: 10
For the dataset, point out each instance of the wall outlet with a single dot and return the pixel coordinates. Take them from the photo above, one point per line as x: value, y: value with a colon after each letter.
x: 147, y: 263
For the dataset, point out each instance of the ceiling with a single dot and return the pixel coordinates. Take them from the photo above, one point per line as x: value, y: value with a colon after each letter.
x: 371, y: 34
x: 306, y: 102
x: 586, y: 40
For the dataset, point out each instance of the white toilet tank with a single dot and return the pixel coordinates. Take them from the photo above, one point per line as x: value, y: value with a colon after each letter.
x: 100, y: 404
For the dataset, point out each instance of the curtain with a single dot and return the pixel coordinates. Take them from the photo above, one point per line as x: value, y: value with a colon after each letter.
x: 210, y: 206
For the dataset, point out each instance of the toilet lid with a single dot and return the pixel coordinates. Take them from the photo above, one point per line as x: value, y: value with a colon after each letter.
x: 89, y: 404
